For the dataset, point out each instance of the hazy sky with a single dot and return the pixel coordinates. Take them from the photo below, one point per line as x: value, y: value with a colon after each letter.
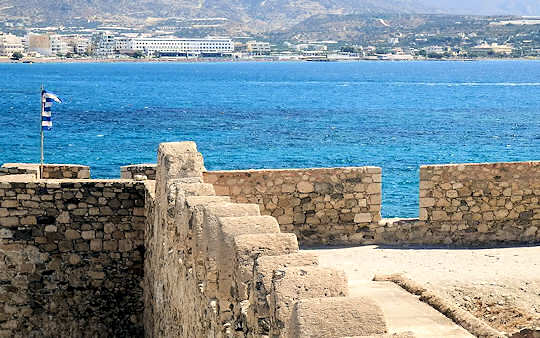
x: 487, y: 7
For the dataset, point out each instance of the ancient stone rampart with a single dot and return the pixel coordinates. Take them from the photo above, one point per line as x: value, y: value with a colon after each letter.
x: 53, y: 171
x: 146, y: 169
x: 462, y: 204
x: 320, y: 206
x: 221, y: 255
x: 474, y: 204
x: 18, y: 174
x: 216, y: 268
x: 71, y: 258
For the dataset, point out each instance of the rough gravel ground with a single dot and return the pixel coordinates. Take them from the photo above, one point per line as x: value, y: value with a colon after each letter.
x: 499, y: 285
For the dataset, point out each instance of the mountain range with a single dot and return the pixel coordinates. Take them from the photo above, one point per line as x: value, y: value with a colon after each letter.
x: 252, y: 15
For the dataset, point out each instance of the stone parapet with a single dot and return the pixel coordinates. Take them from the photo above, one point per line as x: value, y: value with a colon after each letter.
x: 12, y: 169
x: 482, y: 203
x: 53, y: 171
x: 146, y: 169
x: 460, y: 204
x: 320, y: 206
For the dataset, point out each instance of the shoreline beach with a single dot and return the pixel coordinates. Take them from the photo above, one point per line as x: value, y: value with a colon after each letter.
x: 207, y: 60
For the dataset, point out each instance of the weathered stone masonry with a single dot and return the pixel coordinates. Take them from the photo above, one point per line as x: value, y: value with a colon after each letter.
x: 71, y: 251
x: 51, y: 171
x: 320, y: 206
x: 462, y: 204
x: 71, y: 258
x: 214, y: 268
x: 472, y: 204
x: 147, y: 170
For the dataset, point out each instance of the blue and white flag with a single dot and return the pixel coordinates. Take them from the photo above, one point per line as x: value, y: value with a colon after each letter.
x: 47, y: 100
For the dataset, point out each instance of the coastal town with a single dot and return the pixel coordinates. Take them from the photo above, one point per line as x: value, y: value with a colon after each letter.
x: 517, y: 38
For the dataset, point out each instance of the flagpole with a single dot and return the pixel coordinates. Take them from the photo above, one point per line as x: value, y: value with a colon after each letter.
x: 41, y: 130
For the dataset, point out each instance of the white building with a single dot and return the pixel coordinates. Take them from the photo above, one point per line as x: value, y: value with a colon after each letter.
x: 182, y: 47
x: 258, y: 48
x: 77, y: 44
x: 121, y: 43
x: 435, y: 49
x: 307, y: 47
x: 105, y: 44
x: 59, y: 44
x: 486, y: 49
x: 82, y: 45
x: 10, y: 44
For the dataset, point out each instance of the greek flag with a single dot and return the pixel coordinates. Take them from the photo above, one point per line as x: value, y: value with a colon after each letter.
x: 47, y: 100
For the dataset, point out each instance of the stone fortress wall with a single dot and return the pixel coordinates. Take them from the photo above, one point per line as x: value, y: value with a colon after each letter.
x: 50, y: 171
x: 215, y: 265
x: 130, y: 171
x: 473, y: 204
x: 71, y: 258
x: 320, y: 206
x: 215, y: 268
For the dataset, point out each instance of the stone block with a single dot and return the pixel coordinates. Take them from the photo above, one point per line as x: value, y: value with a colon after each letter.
x: 336, y: 317
x: 426, y: 185
x: 6, y: 233
x: 291, y: 284
x: 438, y: 215
x: 374, y: 199
x: 72, y: 234
x: 266, y: 265
x: 179, y: 159
x: 51, y: 228
x: 28, y: 220
x: 124, y: 245
x: 288, y: 188
x: 96, y: 274
x: 65, y: 246
x: 9, y: 204
x: 194, y: 189
x: 305, y: 187
x: 88, y: 234
x: 285, y: 219
x: 74, y: 259
x: 109, y: 228
x: 110, y: 245
x: 96, y: 245
x: 452, y: 194
x: 427, y: 202
x: 232, y: 209
x: 373, y: 170
x: 63, y: 217
x: 9, y: 221
x: 193, y: 201
x: 230, y: 227
x: 221, y: 190
x: 138, y: 211
x: 374, y: 188
x: 262, y: 285
x: 248, y: 248
x: 363, y: 218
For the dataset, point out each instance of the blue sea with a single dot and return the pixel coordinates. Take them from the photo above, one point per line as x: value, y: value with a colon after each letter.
x: 397, y: 115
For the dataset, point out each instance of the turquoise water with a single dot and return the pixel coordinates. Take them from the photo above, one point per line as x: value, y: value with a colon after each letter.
x: 277, y: 115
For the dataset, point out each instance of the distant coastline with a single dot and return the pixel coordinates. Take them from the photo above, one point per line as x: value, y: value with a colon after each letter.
x: 185, y: 60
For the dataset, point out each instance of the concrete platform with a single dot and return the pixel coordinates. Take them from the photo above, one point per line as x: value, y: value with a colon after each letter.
x: 404, y: 312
